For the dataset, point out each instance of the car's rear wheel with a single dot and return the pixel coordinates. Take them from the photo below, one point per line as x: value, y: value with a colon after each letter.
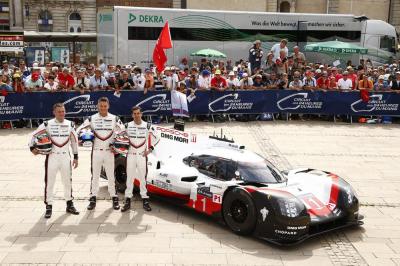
x: 119, y: 173
x: 239, y: 211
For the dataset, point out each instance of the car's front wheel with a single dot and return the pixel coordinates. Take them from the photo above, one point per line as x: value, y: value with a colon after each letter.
x: 239, y: 211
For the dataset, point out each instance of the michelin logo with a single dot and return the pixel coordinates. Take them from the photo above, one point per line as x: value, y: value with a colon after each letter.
x: 298, y: 101
x: 158, y: 102
x: 80, y: 104
x: 375, y: 103
x: 2, y: 99
x: 229, y: 102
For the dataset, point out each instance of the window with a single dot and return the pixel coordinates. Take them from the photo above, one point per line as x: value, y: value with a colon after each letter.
x: 45, y: 21
x: 388, y: 43
x: 212, y: 166
x: 75, y: 22
x: 284, y: 7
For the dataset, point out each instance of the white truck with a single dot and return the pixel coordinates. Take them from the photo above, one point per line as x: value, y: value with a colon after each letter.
x: 129, y: 34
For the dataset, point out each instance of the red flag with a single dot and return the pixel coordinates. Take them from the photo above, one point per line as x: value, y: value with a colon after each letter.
x: 164, y: 42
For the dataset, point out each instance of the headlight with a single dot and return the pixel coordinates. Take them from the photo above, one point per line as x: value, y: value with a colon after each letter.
x: 289, y: 207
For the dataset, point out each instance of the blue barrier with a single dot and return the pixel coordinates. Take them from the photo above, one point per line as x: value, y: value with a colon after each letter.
x: 39, y: 104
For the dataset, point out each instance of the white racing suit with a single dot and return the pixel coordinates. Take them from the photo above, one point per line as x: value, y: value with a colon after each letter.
x: 104, y: 129
x: 62, y: 135
x: 141, y: 138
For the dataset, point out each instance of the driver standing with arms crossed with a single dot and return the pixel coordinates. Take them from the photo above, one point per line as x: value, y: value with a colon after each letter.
x: 104, y: 126
x: 62, y: 135
x: 142, y: 139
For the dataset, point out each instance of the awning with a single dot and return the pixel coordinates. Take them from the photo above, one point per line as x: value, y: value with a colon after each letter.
x: 11, y: 49
x: 34, y: 36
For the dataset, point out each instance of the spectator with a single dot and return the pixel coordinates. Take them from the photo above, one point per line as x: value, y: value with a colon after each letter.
x: 395, y: 84
x: 336, y: 74
x: 149, y: 80
x: 309, y: 81
x: 191, y: 82
x: 296, y: 84
x: 255, y: 55
x: 258, y: 83
x: 298, y: 58
x: 102, y: 66
x: 5, y: 69
x: 82, y: 83
x: 353, y: 77
x: 218, y: 82
x: 323, y: 81
x: 270, y: 64
x: 205, y: 80
x: 125, y: 82
x: 233, y: 81
x: 204, y: 64
x: 284, y: 82
x: 229, y: 66
x: 281, y: 63
x: 169, y: 83
x: 17, y: 83
x: 34, y: 83
x: 246, y: 82
x: 276, y: 49
x: 98, y: 82
x: 90, y: 72
x: 24, y: 70
x: 51, y: 85
x: 65, y: 80
x: 138, y: 79
x: 108, y: 72
x: 345, y: 84
x: 112, y: 80
x: 274, y: 81
x: 365, y: 83
x: 184, y: 63
x: 381, y: 84
x: 332, y: 83
x: 5, y: 83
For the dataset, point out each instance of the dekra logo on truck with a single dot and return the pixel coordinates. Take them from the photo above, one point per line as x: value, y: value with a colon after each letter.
x: 146, y: 18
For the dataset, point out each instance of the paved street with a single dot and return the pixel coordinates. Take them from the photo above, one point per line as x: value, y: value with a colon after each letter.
x: 366, y: 155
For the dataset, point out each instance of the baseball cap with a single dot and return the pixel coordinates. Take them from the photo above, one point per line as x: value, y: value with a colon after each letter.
x: 245, y: 75
x: 232, y: 73
x: 217, y: 72
x: 381, y: 77
x: 205, y: 72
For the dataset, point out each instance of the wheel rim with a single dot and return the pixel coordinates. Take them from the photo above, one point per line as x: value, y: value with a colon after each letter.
x: 238, y: 211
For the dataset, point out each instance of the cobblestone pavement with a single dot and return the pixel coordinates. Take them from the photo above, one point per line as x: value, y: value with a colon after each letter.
x: 366, y: 155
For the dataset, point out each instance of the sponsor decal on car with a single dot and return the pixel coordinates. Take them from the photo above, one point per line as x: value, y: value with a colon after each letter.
x: 264, y: 212
x: 285, y: 232
x: 216, y: 198
x: 204, y: 191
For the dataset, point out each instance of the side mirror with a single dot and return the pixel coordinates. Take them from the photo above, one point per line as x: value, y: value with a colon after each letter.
x: 285, y: 172
x: 237, y: 174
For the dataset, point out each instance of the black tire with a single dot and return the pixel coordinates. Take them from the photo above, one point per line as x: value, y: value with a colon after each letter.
x: 239, y: 211
x: 120, y: 174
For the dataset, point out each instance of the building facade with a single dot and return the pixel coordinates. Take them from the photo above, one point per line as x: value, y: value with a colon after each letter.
x: 59, y: 15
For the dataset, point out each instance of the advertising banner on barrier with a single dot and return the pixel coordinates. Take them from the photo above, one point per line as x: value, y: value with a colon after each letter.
x: 39, y: 104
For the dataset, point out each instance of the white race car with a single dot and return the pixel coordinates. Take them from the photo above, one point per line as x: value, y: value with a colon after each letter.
x: 222, y: 179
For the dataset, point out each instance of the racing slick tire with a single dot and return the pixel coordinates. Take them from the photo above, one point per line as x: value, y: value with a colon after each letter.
x: 239, y: 211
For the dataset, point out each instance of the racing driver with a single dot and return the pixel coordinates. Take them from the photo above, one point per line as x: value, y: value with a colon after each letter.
x: 62, y: 135
x: 142, y: 140
x: 104, y: 126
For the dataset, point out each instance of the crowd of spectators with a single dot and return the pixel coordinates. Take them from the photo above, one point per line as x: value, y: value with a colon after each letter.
x: 278, y: 70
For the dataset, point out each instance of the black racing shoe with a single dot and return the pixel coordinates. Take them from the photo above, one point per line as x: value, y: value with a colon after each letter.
x: 92, y: 203
x: 146, y: 205
x: 115, y: 204
x: 49, y: 211
x: 127, y: 205
x: 71, y: 208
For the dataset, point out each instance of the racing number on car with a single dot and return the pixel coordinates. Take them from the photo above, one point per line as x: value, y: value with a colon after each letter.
x: 314, y: 205
x: 312, y: 202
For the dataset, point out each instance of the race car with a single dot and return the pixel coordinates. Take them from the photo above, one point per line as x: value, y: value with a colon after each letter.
x: 222, y: 179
